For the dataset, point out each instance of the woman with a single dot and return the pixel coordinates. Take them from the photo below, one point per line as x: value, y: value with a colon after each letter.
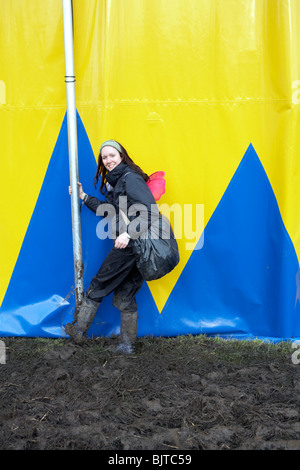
x: 126, y: 190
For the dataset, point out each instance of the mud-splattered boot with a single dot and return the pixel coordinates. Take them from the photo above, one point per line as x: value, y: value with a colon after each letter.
x: 86, y: 314
x: 128, y: 332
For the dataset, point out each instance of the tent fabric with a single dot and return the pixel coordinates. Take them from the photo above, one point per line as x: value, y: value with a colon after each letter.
x: 207, y: 91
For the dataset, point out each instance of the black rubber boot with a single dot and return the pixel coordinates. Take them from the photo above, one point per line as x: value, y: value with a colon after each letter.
x: 128, y: 332
x: 86, y: 314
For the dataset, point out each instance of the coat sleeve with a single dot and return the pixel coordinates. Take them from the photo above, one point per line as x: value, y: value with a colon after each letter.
x: 143, y: 208
x: 93, y: 203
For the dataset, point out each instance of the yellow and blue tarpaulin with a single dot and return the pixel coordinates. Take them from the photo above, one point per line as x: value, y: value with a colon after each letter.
x: 207, y: 91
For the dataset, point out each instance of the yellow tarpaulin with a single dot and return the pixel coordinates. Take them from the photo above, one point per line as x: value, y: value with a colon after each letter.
x: 185, y: 86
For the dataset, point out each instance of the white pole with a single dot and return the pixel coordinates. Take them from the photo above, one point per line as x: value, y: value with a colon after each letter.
x: 73, y: 150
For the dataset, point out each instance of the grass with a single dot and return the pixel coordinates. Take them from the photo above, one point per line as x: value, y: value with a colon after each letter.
x: 217, y: 348
x: 229, y: 350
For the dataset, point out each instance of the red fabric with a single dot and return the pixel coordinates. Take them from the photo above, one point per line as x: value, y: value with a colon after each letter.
x: 157, y: 184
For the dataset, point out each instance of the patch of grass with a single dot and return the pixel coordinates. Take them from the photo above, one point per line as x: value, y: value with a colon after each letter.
x: 24, y: 348
x: 211, y: 348
x: 217, y: 349
x: 239, y: 351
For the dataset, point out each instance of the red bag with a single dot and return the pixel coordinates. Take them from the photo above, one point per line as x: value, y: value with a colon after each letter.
x: 157, y: 184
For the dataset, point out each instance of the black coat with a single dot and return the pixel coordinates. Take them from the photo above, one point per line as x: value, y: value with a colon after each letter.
x: 131, y: 194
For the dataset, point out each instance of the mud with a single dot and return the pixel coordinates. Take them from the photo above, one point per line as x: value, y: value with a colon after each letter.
x: 185, y: 393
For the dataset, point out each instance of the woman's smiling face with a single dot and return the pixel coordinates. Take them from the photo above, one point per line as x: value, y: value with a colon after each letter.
x: 110, y: 157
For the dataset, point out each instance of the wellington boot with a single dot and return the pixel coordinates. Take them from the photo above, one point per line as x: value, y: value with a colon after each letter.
x: 128, y: 332
x: 86, y: 314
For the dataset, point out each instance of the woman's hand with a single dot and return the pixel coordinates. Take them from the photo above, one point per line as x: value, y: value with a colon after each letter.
x: 122, y: 241
x: 81, y: 193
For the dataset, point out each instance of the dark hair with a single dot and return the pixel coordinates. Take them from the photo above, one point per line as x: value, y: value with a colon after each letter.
x: 102, y: 171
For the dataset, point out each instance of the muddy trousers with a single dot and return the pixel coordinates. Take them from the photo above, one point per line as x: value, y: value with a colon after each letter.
x: 117, y: 274
x: 120, y: 275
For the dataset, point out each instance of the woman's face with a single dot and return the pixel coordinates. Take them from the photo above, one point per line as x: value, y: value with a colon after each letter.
x: 110, y: 157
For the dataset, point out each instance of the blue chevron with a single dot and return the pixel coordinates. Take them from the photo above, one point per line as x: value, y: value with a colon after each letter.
x: 245, y: 281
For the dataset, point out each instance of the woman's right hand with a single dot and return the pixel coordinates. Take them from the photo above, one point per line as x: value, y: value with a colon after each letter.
x: 80, y: 190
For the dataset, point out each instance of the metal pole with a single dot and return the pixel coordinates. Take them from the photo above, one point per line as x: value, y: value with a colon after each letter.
x: 73, y: 150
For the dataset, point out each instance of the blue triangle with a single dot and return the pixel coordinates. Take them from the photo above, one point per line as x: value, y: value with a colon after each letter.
x: 43, y: 276
x: 40, y: 296
x: 244, y: 281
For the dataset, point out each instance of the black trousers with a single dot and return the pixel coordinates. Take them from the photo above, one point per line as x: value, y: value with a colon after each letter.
x: 120, y: 275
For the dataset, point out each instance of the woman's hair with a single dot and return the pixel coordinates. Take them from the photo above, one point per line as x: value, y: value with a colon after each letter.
x: 102, y: 171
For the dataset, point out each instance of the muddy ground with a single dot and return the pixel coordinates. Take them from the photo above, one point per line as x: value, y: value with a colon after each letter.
x: 184, y: 393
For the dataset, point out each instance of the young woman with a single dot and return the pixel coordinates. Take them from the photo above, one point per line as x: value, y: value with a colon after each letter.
x: 124, y: 184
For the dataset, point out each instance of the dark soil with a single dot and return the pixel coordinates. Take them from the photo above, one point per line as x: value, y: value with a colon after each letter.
x: 184, y: 393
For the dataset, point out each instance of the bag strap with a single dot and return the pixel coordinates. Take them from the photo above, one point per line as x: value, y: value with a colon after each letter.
x: 125, y: 218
